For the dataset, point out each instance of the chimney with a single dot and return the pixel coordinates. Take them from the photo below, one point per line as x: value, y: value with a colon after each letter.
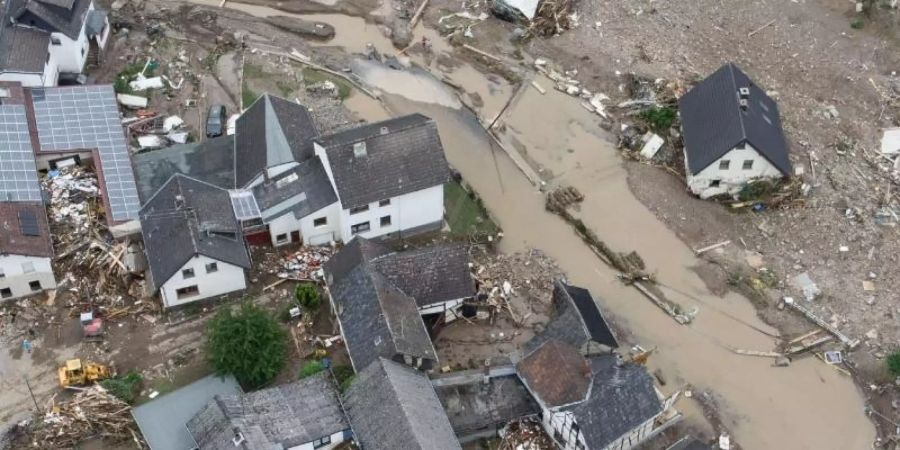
x: 384, y: 130
x: 744, y: 92
x: 179, y: 201
x: 359, y: 149
x: 744, y: 104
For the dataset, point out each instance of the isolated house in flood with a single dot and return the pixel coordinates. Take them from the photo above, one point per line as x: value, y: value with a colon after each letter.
x: 43, y: 41
x: 732, y: 134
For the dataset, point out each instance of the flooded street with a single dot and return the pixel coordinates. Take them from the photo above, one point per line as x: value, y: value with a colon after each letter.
x: 805, y: 406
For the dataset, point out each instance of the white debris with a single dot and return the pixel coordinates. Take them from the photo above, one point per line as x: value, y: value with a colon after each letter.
x: 652, y: 144
x: 890, y: 142
x: 180, y: 137
x: 229, y: 127
x: 172, y: 123
x: 132, y: 101
x: 151, y: 141
x: 142, y: 84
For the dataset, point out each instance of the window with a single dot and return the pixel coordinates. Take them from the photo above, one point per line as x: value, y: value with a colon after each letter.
x: 748, y: 164
x: 322, y: 442
x: 5, y: 293
x: 187, y: 273
x: 212, y: 267
x: 723, y: 164
x: 320, y: 222
x: 55, y: 40
x: 2, y: 274
x: 281, y: 238
x: 385, y: 202
x: 186, y: 292
x: 359, y: 209
x: 385, y: 221
x: 27, y: 267
x: 360, y: 227
x: 34, y: 285
x: 715, y: 183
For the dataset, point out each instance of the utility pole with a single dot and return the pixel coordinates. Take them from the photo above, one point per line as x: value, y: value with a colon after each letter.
x: 36, y: 408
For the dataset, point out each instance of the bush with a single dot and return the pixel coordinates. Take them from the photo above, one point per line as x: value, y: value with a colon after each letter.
x: 893, y: 364
x: 660, y: 119
x: 857, y: 23
x: 307, y: 295
x: 125, y: 388
x: 344, y: 376
x: 248, y: 344
x: 311, y: 368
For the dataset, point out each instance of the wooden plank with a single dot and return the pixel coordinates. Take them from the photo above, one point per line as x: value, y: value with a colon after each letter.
x: 417, y: 15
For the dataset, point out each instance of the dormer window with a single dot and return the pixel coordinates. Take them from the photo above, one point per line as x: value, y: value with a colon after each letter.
x: 55, y: 40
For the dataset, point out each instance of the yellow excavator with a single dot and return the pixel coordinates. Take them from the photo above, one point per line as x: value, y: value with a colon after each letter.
x: 77, y: 373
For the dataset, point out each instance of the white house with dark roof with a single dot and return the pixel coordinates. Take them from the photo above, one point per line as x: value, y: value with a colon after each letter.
x: 42, y: 41
x: 26, y: 249
x: 194, y: 246
x: 732, y: 134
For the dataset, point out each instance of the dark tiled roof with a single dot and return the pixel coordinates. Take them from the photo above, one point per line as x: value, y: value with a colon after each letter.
x: 353, y: 254
x: 66, y: 20
x: 433, y: 274
x: 622, y: 397
x: 556, y: 373
x: 13, y: 240
x: 403, y: 155
x: 279, y: 417
x: 211, y: 161
x: 308, y: 193
x: 270, y: 132
x: 714, y: 123
x: 476, y: 405
x: 393, y: 407
x: 23, y: 49
x: 96, y: 20
x: 203, y: 225
x: 577, y: 321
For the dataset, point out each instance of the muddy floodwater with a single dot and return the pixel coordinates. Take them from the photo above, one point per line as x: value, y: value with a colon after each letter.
x: 805, y: 406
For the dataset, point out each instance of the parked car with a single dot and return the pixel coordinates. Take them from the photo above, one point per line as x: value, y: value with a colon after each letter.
x: 215, y: 121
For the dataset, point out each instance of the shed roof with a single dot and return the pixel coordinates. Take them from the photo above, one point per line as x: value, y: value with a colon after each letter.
x: 211, y: 161
x: 475, y: 405
x: 556, y: 373
x: 432, y: 274
x: 578, y: 320
x: 23, y: 49
x: 63, y: 16
x: 24, y: 230
x: 714, y: 122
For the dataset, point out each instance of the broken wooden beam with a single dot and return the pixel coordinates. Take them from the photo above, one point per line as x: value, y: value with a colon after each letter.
x: 851, y: 343
x: 703, y: 250
x: 417, y: 15
x: 761, y: 353
x: 482, y: 53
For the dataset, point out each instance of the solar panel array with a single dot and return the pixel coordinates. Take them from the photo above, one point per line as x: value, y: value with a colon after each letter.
x: 244, y: 204
x: 18, y: 174
x: 87, y: 117
x: 28, y: 224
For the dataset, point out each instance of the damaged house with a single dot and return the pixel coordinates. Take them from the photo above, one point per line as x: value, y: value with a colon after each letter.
x: 732, y: 134
x: 26, y: 248
x: 45, y: 41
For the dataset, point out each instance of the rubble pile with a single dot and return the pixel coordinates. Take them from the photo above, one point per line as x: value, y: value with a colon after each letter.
x: 304, y: 264
x: 527, y: 274
x: 92, y: 412
x: 553, y: 18
x: 525, y: 435
x: 74, y: 200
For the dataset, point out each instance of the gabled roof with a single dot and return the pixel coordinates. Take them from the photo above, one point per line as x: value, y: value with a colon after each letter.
x: 188, y: 217
x: 63, y: 16
x: 279, y: 417
x: 578, y: 320
x: 301, y: 190
x: 402, y: 155
x: 714, y: 123
x: 474, y: 405
x: 272, y: 131
x: 24, y: 230
x: 211, y: 161
x: 23, y: 49
x: 432, y: 274
x: 392, y: 407
x: 556, y: 373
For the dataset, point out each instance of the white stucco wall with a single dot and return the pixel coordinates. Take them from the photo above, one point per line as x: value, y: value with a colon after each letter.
x: 336, y: 439
x: 70, y: 55
x: 407, y: 211
x: 27, y: 79
x: 310, y: 234
x: 731, y: 180
x: 228, y: 278
x: 450, y: 309
x: 16, y: 279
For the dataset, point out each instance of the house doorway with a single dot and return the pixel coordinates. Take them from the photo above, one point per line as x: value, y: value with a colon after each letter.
x: 295, y: 236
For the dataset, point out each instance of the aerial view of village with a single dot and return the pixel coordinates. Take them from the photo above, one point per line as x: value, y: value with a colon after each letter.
x: 447, y: 225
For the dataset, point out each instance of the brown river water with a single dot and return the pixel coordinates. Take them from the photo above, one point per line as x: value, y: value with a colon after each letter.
x: 805, y: 406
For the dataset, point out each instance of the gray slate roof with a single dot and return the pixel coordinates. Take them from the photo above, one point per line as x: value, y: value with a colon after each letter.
x: 621, y: 398
x: 431, y: 275
x: 96, y: 20
x: 162, y: 420
x: 403, y: 155
x: 476, y: 406
x: 63, y: 16
x: 211, y: 161
x: 713, y: 122
x: 270, y: 132
x: 275, y: 418
x: 204, y: 225
x: 392, y: 407
x: 23, y: 49
x: 578, y: 320
x: 310, y: 192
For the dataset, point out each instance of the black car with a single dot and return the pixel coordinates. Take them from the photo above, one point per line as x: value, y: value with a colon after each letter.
x: 215, y: 121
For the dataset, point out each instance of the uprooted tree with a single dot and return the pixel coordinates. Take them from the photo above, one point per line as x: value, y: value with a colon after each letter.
x: 248, y: 344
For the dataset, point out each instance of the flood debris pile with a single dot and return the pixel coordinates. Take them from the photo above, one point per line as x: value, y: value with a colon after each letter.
x: 93, y: 412
x: 542, y: 18
x: 565, y: 81
x: 525, y: 435
x: 74, y: 201
x: 501, y: 277
x: 303, y: 264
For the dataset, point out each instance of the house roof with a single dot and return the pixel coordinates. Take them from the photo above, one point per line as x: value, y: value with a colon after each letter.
x: 392, y: 406
x: 402, y: 155
x: 188, y: 217
x: 475, y: 405
x: 301, y: 190
x: 63, y: 16
x: 162, y: 420
x: 24, y: 230
x: 284, y: 416
x: 96, y: 20
x: 23, y: 49
x: 621, y: 398
x: 211, y: 161
x: 354, y: 253
x: 556, y: 373
x: 432, y: 274
x: 272, y: 131
x: 713, y: 121
x: 578, y: 320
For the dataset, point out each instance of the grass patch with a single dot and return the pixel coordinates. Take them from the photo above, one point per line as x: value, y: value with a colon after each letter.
x: 253, y: 71
x: 893, y: 364
x: 285, y: 87
x: 465, y: 214
x: 857, y: 23
x: 344, y: 376
x: 660, y: 119
x: 312, y: 76
x: 310, y: 368
x: 127, y: 74
x: 248, y: 96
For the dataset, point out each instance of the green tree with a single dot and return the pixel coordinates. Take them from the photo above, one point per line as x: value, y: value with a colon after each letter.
x: 126, y: 387
x: 893, y: 363
x: 248, y: 344
x: 307, y: 295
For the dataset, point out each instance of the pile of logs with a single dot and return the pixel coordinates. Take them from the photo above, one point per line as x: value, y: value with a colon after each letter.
x: 91, y: 413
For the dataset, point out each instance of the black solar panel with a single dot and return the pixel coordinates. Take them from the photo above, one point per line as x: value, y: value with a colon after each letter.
x: 28, y: 223
x: 18, y: 174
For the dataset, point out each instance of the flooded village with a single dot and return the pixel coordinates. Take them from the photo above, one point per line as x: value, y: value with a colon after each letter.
x: 408, y: 224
